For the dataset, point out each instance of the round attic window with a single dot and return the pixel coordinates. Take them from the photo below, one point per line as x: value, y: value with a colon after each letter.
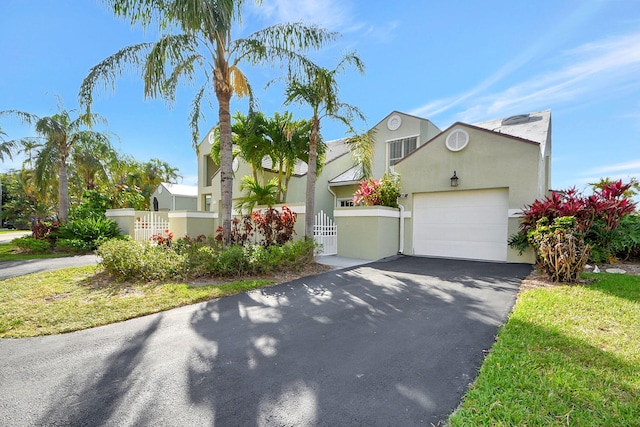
x: 211, y: 138
x: 394, y: 122
x: 457, y: 140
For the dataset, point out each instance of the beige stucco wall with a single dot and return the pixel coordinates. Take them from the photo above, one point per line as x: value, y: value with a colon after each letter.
x: 369, y: 233
x: 410, y: 126
x: 192, y: 224
x: 488, y: 161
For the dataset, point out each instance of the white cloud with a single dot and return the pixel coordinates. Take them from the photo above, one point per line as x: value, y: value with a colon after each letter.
x: 619, y: 167
x: 594, y: 68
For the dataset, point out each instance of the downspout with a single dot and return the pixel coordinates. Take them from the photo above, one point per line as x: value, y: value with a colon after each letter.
x: 401, y: 248
x: 335, y: 196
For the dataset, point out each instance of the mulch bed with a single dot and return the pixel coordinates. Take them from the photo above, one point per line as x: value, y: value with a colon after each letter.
x: 538, y: 279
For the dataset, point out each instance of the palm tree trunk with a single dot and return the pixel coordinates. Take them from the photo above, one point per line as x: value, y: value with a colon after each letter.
x: 63, y: 191
x: 226, y: 160
x: 309, y: 213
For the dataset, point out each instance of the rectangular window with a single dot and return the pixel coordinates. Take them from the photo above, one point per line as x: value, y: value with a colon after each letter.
x: 400, y: 148
x: 207, y: 202
x: 346, y: 202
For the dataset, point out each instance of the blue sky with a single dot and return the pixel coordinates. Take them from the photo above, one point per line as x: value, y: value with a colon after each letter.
x: 443, y: 60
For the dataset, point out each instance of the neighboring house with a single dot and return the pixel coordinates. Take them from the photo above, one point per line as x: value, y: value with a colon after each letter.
x: 174, y: 197
x: 500, y: 165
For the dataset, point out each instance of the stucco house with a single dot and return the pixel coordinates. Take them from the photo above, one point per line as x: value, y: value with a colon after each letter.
x: 175, y: 197
x: 462, y: 187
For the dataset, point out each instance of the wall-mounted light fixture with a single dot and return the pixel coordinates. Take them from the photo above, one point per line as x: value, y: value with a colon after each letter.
x: 454, y: 179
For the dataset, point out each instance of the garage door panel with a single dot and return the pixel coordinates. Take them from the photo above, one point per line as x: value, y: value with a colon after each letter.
x: 461, y: 224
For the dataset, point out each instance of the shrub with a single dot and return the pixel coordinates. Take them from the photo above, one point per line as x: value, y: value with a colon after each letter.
x: 266, y: 229
x: 596, y: 216
x: 45, y: 230
x: 625, y: 242
x: 142, y: 261
x: 382, y: 192
x: 560, y: 248
x: 91, y: 231
x: 32, y: 245
x: 93, y: 205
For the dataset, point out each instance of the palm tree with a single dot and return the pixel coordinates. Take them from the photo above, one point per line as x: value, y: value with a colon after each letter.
x: 289, y: 144
x: 197, y: 41
x: 6, y: 147
x: 59, y: 133
x: 319, y: 91
x: 256, y: 194
x: 249, y: 136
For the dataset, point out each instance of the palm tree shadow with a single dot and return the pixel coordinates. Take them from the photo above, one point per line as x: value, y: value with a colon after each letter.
x: 95, y: 398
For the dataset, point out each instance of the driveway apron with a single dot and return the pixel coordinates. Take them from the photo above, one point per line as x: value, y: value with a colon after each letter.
x: 391, y: 343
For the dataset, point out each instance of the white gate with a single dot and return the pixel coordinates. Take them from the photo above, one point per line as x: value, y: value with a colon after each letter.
x: 148, y: 225
x: 325, y: 233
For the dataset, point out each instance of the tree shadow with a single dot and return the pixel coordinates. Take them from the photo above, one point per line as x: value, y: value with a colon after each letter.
x: 96, y: 398
x: 394, y: 343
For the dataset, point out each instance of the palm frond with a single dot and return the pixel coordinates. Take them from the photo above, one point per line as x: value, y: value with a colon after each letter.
x: 107, y: 71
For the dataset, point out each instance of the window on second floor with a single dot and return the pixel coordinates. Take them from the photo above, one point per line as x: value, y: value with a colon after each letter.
x: 400, y: 148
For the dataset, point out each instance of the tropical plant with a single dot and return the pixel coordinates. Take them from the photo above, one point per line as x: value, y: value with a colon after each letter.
x: 378, y: 192
x: 59, y: 133
x: 256, y: 194
x: 597, y: 216
x: 289, y: 140
x: 6, y: 147
x: 249, y: 137
x: 318, y: 89
x: 197, y: 40
x: 560, y: 248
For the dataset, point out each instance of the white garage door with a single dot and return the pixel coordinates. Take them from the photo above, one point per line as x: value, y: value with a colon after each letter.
x: 461, y: 224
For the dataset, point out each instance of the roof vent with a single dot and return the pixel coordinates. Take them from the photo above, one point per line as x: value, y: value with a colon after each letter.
x: 457, y: 140
x: 516, y: 120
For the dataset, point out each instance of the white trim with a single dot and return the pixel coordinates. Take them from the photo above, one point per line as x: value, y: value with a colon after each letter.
x: 404, y: 137
x: 515, y: 213
x: 407, y: 214
x: 124, y: 212
x: 188, y: 214
x: 354, y: 212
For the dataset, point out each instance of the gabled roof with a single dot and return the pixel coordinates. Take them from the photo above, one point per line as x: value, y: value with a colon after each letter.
x: 350, y: 176
x: 532, y: 127
x: 180, y: 190
x: 335, y: 148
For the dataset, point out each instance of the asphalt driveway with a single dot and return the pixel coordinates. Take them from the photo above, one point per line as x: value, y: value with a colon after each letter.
x: 388, y: 343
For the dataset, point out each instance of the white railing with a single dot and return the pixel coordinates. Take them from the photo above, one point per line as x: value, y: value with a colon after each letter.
x: 325, y: 233
x: 148, y: 225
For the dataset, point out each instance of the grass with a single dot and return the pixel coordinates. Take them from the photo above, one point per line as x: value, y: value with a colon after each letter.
x: 6, y: 254
x: 568, y: 356
x: 71, y: 299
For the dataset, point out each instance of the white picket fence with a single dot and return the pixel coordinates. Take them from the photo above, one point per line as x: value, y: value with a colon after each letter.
x: 325, y: 233
x: 148, y: 225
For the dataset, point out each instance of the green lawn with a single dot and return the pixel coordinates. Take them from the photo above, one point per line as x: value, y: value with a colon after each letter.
x: 73, y: 298
x: 6, y: 254
x: 568, y: 356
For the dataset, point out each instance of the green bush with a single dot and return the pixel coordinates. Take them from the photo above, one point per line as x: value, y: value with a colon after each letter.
x: 141, y: 261
x: 130, y: 260
x: 625, y: 242
x: 74, y: 246
x: 32, y: 245
x: 92, y: 231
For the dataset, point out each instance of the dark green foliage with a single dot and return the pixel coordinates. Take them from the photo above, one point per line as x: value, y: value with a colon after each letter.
x: 86, y: 234
x: 93, y: 205
x: 625, y: 242
x: 32, y: 245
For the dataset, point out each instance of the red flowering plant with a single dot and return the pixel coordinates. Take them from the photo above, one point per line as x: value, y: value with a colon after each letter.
x: 163, y: 239
x: 596, y: 216
x: 378, y: 192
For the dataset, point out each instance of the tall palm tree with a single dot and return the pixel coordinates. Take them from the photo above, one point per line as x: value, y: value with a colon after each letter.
x: 196, y: 41
x: 249, y: 136
x: 59, y: 134
x: 319, y: 91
